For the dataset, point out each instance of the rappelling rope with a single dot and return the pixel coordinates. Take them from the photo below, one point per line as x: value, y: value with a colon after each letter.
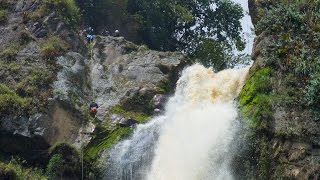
x: 82, y: 123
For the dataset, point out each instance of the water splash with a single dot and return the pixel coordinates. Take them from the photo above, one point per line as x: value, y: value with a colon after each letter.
x: 191, y: 140
x: 194, y: 142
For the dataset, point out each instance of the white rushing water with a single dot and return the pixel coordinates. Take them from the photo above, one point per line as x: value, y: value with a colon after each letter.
x: 194, y: 141
x: 191, y: 140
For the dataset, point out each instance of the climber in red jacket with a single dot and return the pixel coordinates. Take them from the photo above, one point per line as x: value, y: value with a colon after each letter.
x: 93, y: 109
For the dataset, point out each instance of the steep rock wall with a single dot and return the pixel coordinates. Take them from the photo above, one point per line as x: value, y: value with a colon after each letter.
x: 285, y: 130
x: 51, y: 75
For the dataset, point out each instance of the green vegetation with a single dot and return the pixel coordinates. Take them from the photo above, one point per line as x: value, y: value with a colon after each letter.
x: 9, y: 67
x: 104, y: 139
x: 206, y: 34
x: 38, y: 13
x: 66, y: 8
x: 10, y: 52
x: 11, y: 103
x: 139, y: 116
x: 39, y: 79
x: 295, y: 48
x: 255, y: 99
x: 3, y: 16
x: 53, y: 46
x: 64, y: 162
x: 25, y: 37
x: 13, y: 170
x: 55, y: 167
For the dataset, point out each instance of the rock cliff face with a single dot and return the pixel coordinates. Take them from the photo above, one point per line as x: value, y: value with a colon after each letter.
x: 286, y: 131
x: 51, y: 75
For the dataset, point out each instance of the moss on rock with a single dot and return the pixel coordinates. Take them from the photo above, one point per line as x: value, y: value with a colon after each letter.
x: 139, y: 116
x: 104, y: 139
x: 255, y: 99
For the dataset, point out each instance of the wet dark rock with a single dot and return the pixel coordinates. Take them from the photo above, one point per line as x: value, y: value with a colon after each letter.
x: 159, y: 101
x: 122, y: 121
x: 127, y: 122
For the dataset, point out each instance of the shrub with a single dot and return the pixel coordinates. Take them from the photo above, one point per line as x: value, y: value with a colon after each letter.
x: 10, y: 52
x: 67, y: 8
x: 24, y: 37
x: 53, y: 46
x: 55, y: 167
x: 294, y: 48
x: 64, y: 162
x: 313, y: 91
x: 3, y: 16
x: 10, y: 102
x: 13, y: 170
x: 37, y: 81
x: 38, y: 13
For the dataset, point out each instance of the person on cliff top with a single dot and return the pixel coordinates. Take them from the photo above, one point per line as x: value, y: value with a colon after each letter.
x: 89, y: 34
x: 116, y: 33
x: 93, y: 108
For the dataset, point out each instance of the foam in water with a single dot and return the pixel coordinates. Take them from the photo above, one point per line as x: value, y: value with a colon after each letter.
x: 194, y: 142
x: 191, y: 140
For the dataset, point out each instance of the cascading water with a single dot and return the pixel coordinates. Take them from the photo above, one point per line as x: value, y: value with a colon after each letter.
x: 191, y: 140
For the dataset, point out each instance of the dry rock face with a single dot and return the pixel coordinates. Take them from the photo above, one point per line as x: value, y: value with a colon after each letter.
x: 294, y: 135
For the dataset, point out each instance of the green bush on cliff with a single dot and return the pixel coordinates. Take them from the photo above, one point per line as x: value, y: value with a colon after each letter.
x: 192, y: 26
x: 53, y: 46
x: 255, y: 99
x: 35, y: 83
x: 294, y: 48
x: 67, y: 8
x: 10, y: 51
x: 3, y: 16
x: 55, y: 166
x: 313, y: 91
x: 10, y: 102
x: 64, y: 162
x: 14, y: 171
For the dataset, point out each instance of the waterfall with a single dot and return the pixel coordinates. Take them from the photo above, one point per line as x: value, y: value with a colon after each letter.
x: 191, y: 140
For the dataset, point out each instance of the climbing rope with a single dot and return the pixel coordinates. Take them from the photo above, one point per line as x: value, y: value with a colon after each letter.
x: 82, y: 123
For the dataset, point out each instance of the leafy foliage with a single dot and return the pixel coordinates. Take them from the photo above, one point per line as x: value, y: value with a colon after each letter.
x: 66, y: 8
x: 11, y: 103
x: 53, y: 46
x: 64, y: 162
x: 295, y: 28
x: 54, y: 167
x: 13, y: 170
x: 10, y: 51
x: 197, y: 28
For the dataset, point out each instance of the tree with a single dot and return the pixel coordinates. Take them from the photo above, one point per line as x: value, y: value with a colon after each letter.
x: 206, y: 29
x: 173, y: 25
